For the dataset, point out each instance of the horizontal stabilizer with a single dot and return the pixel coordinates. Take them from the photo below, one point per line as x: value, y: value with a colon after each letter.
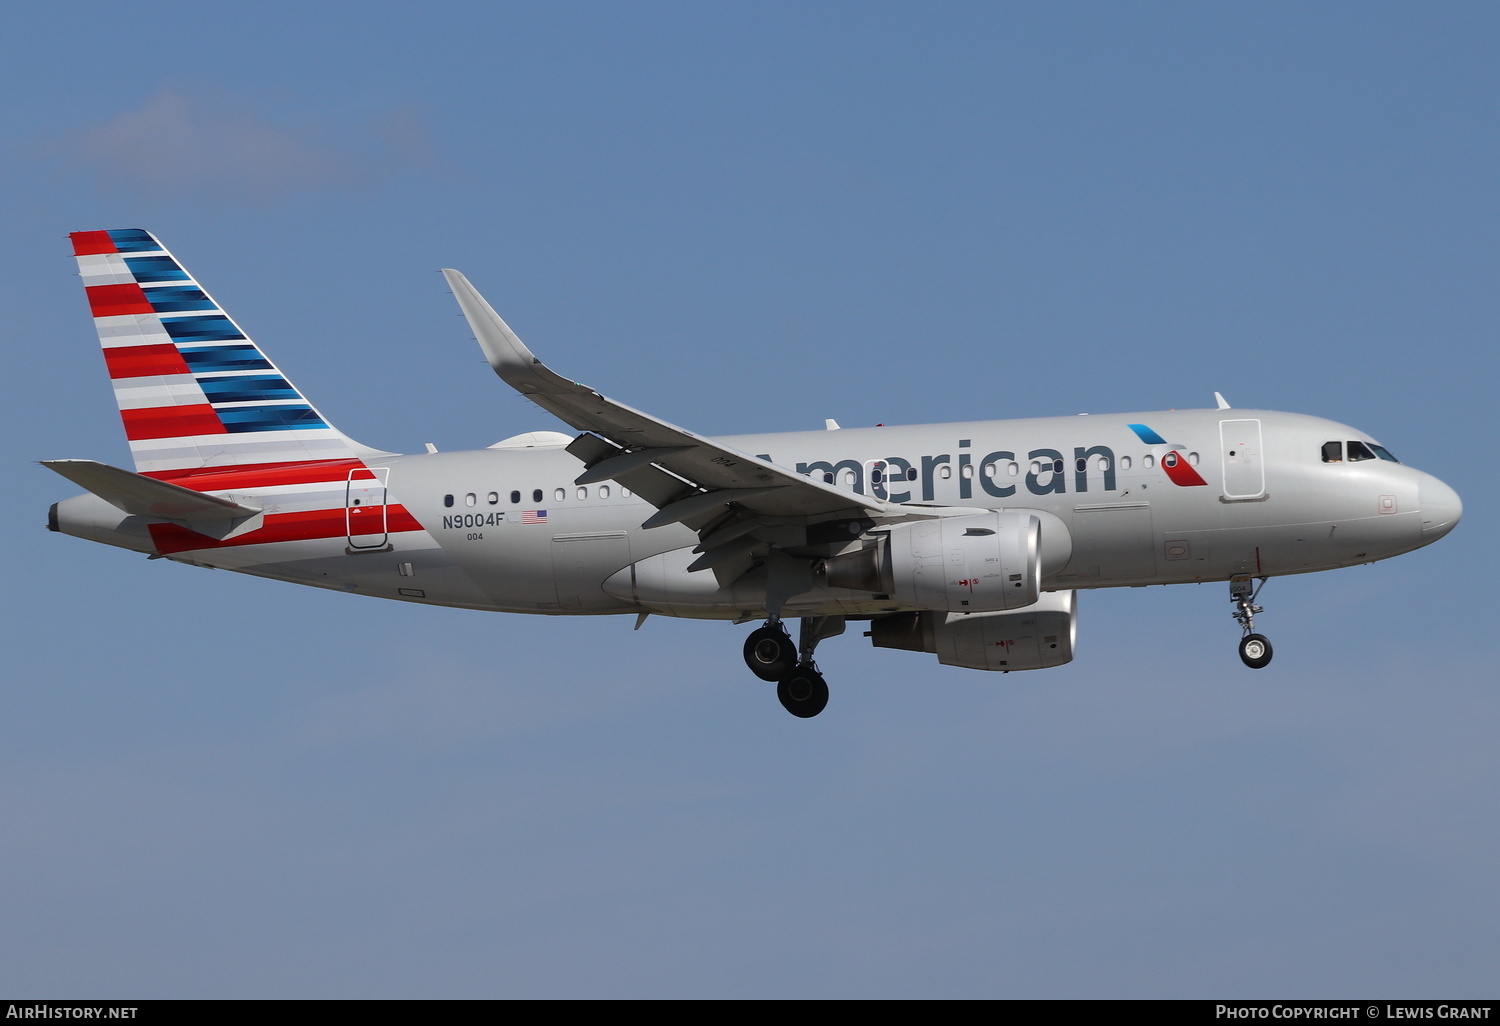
x: 144, y: 496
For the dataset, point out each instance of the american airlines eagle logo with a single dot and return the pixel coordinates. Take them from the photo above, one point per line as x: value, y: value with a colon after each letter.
x: 1173, y: 463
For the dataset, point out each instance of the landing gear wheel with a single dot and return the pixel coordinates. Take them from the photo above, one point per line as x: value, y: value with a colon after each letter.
x: 769, y: 652
x: 804, y: 693
x: 1255, y: 651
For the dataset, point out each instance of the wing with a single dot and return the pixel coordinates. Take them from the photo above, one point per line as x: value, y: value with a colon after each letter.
x: 689, y: 478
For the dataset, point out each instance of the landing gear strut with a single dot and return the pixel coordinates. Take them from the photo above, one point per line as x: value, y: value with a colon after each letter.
x: 1255, y: 650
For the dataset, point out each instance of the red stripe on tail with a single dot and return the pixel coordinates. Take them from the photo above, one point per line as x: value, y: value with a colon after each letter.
x: 171, y: 422
x: 90, y: 243
x: 139, y: 361
x: 114, y: 300
x: 259, y: 475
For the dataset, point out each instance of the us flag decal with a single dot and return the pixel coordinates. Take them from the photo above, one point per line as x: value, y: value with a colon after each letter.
x: 533, y: 516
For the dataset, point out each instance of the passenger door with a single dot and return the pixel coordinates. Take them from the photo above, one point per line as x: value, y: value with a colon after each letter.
x: 1240, y: 454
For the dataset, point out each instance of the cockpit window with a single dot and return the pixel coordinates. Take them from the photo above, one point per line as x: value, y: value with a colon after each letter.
x: 1333, y: 452
x: 1359, y: 451
x: 1383, y: 453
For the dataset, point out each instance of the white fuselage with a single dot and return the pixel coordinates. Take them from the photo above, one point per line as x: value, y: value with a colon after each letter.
x: 476, y: 535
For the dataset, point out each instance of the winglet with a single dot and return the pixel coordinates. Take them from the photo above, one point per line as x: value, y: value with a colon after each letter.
x: 507, y: 354
x: 1223, y: 403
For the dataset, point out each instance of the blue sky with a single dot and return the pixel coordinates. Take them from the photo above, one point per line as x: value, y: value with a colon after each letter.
x: 747, y: 218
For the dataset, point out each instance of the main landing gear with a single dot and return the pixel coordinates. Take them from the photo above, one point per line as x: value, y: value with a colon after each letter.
x: 769, y: 651
x: 803, y: 692
x: 1255, y: 649
x: 771, y: 656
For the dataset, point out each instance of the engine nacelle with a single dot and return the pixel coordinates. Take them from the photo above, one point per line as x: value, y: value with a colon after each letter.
x: 977, y: 563
x: 1033, y: 638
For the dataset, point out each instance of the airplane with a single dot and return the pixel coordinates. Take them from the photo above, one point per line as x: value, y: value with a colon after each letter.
x: 969, y: 541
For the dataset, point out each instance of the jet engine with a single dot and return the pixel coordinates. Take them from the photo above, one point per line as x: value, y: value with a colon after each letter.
x: 1034, y: 638
x: 977, y: 563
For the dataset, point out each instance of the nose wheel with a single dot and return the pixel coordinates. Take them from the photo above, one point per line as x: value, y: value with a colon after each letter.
x: 1255, y: 649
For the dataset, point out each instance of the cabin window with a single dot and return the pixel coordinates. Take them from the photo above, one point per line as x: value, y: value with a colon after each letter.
x: 1124, y: 463
x: 1359, y: 451
x: 1148, y: 462
x: 536, y: 495
x: 583, y: 493
x: 624, y: 492
x: 1081, y: 465
x: 911, y: 474
x: 470, y: 499
x: 515, y: 498
x: 989, y: 471
x: 1333, y: 452
x: 604, y: 491
x: 559, y: 494
x: 945, y: 472
x: 1057, y: 466
x: 493, y: 498
x: 849, y: 479
x: 968, y: 471
x: 1012, y: 468
x: 447, y: 500
x: 1193, y: 458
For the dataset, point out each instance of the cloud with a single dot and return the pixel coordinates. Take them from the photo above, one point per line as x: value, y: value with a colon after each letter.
x: 212, y: 141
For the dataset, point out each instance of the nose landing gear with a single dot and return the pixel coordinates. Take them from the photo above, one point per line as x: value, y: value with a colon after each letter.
x: 1255, y: 649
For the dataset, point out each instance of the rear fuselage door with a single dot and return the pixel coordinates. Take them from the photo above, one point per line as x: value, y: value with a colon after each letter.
x: 364, y: 508
x: 1240, y: 452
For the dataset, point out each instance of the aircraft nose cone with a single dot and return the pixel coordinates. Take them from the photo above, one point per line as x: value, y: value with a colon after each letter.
x: 1441, y: 509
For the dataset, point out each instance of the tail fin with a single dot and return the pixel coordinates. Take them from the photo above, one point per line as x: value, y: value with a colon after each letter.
x: 194, y: 391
